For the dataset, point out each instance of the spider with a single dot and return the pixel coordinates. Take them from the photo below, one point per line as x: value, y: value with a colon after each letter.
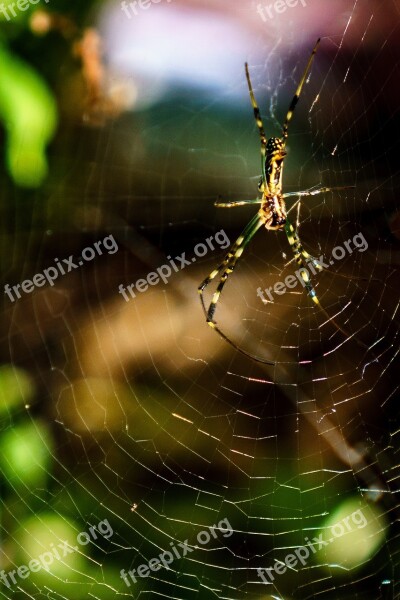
x: 272, y: 214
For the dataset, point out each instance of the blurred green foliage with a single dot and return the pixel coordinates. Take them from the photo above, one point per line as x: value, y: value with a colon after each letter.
x: 27, y: 452
x: 16, y: 389
x: 28, y: 106
x: 29, y: 113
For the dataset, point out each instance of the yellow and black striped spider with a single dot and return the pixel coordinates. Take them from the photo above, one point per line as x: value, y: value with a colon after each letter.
x: 272, y: 214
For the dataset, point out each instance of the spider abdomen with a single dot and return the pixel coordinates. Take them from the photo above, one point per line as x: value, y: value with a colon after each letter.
x: 273, y: 212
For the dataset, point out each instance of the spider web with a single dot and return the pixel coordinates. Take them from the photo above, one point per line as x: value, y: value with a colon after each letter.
x: 154, y: 423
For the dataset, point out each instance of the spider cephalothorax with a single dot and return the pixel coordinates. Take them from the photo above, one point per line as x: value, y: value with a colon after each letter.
x: 275, y: 147
x: 274, y: 154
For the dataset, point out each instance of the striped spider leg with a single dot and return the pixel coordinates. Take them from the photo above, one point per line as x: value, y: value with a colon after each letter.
x: 272, y: 213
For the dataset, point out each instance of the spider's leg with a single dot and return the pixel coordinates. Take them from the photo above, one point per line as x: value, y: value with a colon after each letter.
x: 228, y: 257
x: 227, y: 265
x: 237, y: 203
x: 316, y: 191
x: 257, y: 116
x: 228, y: 270
x: 302, y: 257
x: 309, y: 258
x: 297, y: 93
